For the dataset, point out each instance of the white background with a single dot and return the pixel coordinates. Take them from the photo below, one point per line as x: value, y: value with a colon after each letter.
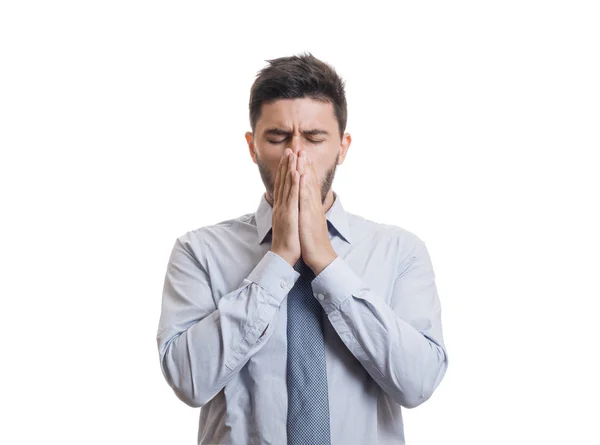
x: 475, y: 125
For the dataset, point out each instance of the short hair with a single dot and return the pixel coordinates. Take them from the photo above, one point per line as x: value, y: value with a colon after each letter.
x: 298, y: 76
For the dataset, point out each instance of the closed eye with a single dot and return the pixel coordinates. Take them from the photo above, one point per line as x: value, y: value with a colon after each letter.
x: 280, y: 142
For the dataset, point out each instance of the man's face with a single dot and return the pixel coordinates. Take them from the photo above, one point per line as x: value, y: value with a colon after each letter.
x: 302, y: 125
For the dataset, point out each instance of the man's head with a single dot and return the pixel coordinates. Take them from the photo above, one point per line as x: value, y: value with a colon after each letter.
x: 298, y: 102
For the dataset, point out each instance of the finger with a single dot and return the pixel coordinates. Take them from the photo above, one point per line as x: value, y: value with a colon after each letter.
x: 313, y: 172
x: 310, y: 180
x: 301, y: 162
x: 285, y: 187
x: 289, y: 177
x: 295, y: 189
x: 276, y: 185
x: 305, y: 184
x: 280, y: 177
x: 316, y: 189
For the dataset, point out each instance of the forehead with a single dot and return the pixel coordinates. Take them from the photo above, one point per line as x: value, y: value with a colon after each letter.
x: 291, y: 114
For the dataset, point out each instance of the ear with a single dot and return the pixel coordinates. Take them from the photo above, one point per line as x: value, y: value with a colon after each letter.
x: 344, y: 146
x: 250, y: 140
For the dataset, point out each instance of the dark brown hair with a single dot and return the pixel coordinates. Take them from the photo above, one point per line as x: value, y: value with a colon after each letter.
x: 297, y: 77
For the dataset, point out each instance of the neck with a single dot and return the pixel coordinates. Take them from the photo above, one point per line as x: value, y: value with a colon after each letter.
x: 328, y: 201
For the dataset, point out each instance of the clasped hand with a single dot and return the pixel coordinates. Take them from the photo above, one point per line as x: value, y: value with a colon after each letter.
x: 299, y: 221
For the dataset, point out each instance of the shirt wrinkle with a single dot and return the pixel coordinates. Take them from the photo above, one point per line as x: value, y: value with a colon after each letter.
x: 222, y: 341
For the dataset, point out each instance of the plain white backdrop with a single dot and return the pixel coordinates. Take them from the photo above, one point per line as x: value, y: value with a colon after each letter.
x: 475, y: 125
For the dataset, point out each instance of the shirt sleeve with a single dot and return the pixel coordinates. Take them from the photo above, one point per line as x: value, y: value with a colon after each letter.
x: 400, y: 344
x: 201, y: 344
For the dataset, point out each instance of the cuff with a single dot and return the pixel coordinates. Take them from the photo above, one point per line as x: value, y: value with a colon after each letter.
x: 275, y: 275
x: 334, y: 284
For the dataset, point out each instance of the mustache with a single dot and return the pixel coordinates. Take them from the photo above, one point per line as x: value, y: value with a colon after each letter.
x: 268, y: 178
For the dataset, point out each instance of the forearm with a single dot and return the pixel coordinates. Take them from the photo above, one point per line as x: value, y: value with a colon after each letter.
x: 400, y: 343
x: 201, y: 351
x: 404, y: 362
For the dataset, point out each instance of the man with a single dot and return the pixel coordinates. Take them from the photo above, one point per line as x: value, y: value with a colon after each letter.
x: 300, y: 323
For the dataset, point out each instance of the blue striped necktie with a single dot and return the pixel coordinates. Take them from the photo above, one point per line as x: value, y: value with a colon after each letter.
x: 308, y: 399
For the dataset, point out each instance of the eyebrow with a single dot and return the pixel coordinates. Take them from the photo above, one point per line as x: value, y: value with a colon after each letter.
x: 283, y: 132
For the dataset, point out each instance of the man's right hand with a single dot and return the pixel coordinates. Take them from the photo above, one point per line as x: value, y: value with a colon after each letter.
x: 286, y: 238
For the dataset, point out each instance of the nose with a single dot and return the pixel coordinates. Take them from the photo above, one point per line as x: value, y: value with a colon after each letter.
x: 296, y: 144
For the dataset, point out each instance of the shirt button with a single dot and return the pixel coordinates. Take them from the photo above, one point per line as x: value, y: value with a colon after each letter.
x: 321, y: 297
x: 283, y: 284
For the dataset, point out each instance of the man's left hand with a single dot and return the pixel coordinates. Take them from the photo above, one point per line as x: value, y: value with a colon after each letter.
x: 317, y: 251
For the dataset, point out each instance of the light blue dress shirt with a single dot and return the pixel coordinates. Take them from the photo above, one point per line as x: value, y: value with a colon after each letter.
x: 222, y: 331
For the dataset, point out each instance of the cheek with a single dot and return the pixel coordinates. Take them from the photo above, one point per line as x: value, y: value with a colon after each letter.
x: 316, y: 174
x: 274, y: 164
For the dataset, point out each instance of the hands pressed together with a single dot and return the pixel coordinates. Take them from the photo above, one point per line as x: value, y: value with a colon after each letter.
x: 299, y: 221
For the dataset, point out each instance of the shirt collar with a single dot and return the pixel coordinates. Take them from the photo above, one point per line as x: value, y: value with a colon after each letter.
x: 337, y: 218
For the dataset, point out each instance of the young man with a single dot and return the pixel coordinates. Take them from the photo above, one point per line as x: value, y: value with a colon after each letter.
x: 300, y: 323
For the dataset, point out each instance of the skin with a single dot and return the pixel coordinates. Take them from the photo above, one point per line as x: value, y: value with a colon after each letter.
x: 297, y: 169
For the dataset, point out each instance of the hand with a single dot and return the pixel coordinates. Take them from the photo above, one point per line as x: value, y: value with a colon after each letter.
x: 286, y: 240
x: 317, y: 251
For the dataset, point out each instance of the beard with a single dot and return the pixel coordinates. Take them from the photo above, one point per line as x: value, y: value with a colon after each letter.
x: 269, y: 180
